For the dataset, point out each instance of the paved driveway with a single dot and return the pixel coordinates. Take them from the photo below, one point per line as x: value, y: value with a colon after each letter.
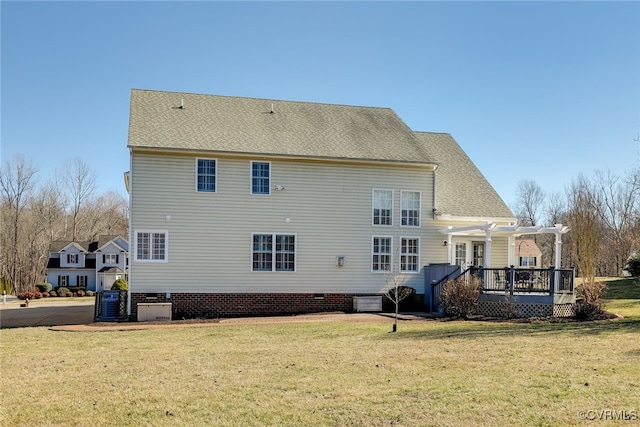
x: 46, y: 312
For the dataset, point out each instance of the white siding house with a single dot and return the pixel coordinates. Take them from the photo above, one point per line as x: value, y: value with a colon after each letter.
x: 91, y: 265
x: 243, y: 206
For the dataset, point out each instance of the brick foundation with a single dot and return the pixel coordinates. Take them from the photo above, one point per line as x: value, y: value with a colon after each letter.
x: 211, y: 306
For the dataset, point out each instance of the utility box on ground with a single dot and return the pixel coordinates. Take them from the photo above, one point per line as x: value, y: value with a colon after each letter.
x: 153, y: 312
x: 367, y: 303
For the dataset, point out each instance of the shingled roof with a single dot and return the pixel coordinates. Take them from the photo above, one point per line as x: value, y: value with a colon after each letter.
x: 222, y: 124
x: 461, y: 189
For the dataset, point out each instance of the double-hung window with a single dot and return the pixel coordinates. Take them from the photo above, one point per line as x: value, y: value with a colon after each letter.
x: 381, y: 254
x: 110, y: 258
x: 63, y: 280
x: 410, y: 208
x: 382, y: 207
x: 206, y: 175
x: 273, y: 252
x: 260, y: 178
x: 72, y: 258
x: 82, y: 281
x: 527, y: 261
x: 151, y: 246
x: 409, y: 255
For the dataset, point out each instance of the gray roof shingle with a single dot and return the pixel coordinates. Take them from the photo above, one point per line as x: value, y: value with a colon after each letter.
x: 461, y: 189
x: 225, y: 124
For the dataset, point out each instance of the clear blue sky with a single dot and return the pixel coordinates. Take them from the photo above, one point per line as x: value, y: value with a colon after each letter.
x: 537, y: 90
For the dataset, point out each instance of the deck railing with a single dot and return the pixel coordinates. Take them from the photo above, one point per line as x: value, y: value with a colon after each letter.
x: 527, y: 280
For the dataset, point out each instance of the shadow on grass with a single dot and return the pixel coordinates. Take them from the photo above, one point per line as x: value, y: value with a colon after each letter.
x: 470, y: 330
x: 627, y: 288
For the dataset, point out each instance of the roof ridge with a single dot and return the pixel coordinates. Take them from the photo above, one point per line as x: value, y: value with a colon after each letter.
x: 252, y: 98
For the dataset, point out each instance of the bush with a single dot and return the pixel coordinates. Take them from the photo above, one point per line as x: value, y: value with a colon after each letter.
x: 460, y: 297
x: 120, y: 285
x: 53, y: 294
x: 80, y: 293
x: 633, y: 265
x: 44, y: 287
x: 45, y: 295
x: 24, y: 295
x: 587, y: 310
x: 590, y: 292
x: 62, y: 290
x: 90, y: 293
x: 37, y: 295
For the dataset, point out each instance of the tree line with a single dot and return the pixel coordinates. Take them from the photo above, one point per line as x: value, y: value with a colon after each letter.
x: 603, y: 213
x: 35, y: 213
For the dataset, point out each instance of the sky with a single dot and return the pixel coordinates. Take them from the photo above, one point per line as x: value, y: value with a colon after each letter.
x: 543, y: 91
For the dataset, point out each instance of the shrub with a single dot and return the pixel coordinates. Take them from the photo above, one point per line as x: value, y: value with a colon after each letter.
x: 24, y: 295
x: 90, y: 293
x: 590, y: 292
x: 62, y: 290
x: 587, y: 310
x: 45, y: 295
x: 37, y: 295
x: 633, y: 265
x: 44, y: 287
x: 53, y: 294
x: 460, y: 297
x: 80, y: 293
x: 120, y: 285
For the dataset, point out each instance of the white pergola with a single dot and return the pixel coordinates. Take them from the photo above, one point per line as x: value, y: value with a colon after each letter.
x: 490, y: 229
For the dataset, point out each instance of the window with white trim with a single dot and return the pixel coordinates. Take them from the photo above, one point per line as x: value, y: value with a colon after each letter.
x: 273, y: 252
x: 151, y: 246
x: 72, y: 258
x: 110, y: 258
x: 382, y: 207
x: 527, y: 261
x: 260, y: 177
x: 82, y: 281
x: 63, y: 280
x: 410, y: 208
x: 381, y: 254
x: 206, y: 175
x: 409, y: 255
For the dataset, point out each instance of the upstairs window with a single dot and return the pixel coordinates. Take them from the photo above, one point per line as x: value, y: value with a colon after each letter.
x: 410, y: 208
x: 151, y: 246
x: 206, y: 175
x: 110, y: 258
x: 382, y: 207
x: 260, y: 178
x: 72, y: 258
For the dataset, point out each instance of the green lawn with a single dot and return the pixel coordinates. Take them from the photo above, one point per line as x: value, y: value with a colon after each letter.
x: 327, y: 374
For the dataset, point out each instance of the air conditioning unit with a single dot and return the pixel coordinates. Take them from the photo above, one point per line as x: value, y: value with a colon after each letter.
x: 367, y: 303
x: 154, y: 311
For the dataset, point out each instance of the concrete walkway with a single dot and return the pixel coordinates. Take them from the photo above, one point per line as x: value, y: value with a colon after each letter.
x: 46, y: 312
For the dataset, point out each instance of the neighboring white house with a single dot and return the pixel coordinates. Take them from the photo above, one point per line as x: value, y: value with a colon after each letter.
x: 242, y: 206
x: 92, y: 265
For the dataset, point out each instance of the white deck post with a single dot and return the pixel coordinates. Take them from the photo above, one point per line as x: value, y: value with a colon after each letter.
x: 487, y: 256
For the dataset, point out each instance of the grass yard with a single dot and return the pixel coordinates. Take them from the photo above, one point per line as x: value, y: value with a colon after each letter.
x: 329, y: 374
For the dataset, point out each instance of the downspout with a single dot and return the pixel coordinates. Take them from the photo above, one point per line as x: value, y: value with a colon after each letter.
x: 130, y: 232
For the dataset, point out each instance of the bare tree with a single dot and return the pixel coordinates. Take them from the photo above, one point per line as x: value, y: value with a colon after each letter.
x: 616, y: 202
x: 529, y: 202
x: 80, y: 183
x: 397, y: 292
x: 17, y: 180
x: 586, y: 228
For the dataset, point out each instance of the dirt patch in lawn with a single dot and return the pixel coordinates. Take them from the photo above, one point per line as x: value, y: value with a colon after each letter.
x: 194, y: 323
